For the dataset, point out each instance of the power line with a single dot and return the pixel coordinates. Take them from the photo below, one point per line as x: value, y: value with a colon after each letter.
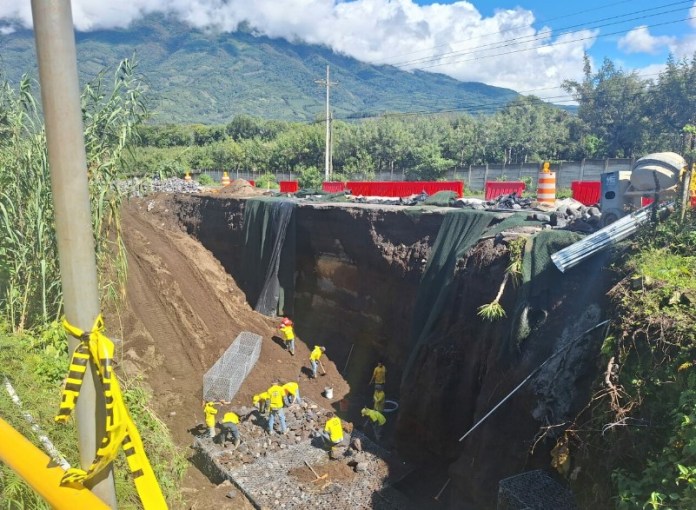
x: 558, y: 43
x: 491, y: 34
x: 541, y: 36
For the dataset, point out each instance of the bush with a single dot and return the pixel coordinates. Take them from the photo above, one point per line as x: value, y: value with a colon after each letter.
x: 267, y: 181
x: 205, y: 180
x: 310, y: 178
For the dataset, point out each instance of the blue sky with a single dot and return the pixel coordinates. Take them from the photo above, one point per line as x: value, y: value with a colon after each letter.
x: 525, y: 45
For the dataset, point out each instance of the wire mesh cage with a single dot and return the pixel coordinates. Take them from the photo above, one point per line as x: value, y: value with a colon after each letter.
x: 226, y: 376
x: 534, y: 490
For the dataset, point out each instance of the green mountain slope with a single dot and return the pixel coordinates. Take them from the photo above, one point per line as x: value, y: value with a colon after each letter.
x: 209, y: 77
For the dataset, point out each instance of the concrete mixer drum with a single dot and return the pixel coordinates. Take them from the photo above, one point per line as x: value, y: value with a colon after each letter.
x: 657, y: 172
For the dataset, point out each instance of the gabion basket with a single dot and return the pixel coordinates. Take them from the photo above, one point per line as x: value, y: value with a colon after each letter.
x: 226, y: 376
x: 534, y: 490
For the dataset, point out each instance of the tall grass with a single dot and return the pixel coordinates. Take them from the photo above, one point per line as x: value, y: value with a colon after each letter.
x: 30, y: 290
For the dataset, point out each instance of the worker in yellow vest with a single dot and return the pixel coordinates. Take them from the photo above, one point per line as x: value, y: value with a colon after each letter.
x: 314, y: 357
x: 379, y: 374
x: 288, y: 334
x: 378, y: 398
x: 333, y: 432
x: 228, y: 427
x: 210, y: 411
x: 260, y: 402
x: 377, y: 420
x: 292, y: 393
x: 276, y: 393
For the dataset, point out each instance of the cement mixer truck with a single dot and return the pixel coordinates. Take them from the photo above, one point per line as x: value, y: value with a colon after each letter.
x: 653, y: 177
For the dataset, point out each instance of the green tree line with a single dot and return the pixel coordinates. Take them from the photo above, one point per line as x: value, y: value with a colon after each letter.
x: 619, y: 114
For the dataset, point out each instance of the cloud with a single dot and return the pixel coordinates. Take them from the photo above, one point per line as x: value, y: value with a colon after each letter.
x: 503, y: 49
x: 6, y: 29
x: 692, y: 15
x: 639, y: 40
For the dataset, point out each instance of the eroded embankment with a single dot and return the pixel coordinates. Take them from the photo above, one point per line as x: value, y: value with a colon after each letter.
x: 356, y: 281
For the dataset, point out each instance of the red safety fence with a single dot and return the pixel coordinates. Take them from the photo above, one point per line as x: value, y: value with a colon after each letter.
x: 289, y: 186
x: 253, y: 183
x: 586, y: 192
x: 403, y: 188
x: 494, y: 189
x: 333, y: 187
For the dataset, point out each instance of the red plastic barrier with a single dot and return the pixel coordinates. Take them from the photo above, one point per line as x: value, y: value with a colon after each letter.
x: 253, y: 183
x: 494, y: 189
x: 646, y: 201
x: 586, y: 192
x: 403, y: 188
x: 333, y: 187
x: 289, y: 186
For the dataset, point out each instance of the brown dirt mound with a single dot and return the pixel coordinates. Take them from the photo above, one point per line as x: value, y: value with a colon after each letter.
x: 240, y: 188
x: 182, y: 311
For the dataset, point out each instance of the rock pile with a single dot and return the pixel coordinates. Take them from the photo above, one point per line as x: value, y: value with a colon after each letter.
x: 272, y: 470
x: 140, y: 187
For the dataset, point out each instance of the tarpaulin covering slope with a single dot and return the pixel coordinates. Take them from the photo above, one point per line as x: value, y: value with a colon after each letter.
x: 460, y: 230
x: 269, y: 256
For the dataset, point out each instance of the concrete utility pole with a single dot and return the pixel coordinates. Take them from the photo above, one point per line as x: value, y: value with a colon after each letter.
x: 327, y: 161
x: 60, y: 95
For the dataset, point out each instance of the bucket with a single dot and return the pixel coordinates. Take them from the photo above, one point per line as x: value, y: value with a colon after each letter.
x: 390, y: 406
x: 328, y: 392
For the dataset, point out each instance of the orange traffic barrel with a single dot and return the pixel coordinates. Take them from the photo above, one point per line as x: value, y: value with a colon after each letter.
x: 546, y: 186
x: 225, y: 179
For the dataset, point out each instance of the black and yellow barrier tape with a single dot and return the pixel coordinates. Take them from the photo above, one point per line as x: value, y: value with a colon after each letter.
x: 120, y: 429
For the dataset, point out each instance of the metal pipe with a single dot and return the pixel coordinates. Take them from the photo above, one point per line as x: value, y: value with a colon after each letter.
x: 37, y: 469
x: 618, y: 231
x: 60, y: 96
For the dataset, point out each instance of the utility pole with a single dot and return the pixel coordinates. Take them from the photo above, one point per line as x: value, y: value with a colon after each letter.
x: 60, y: 96
x: 327, y: 160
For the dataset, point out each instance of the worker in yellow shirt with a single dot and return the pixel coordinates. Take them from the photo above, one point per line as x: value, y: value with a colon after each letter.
x: 377, y: 420
x: 378, y: 398
x: 333, y: 432
x: 276, y: 393
x: 288, y: 334
x: 260, y: 401
x: 228, y: 428
x: 292, y: 393
x: 379, y: 374
x: 210, y: 411
x: 314, y: 357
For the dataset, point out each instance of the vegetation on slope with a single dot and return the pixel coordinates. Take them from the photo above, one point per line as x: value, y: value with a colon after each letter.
x: 634, y: 446
x: 209, y: 77
x: 33, y: 348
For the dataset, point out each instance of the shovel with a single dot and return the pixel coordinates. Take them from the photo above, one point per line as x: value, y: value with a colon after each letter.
x: 323, y: 371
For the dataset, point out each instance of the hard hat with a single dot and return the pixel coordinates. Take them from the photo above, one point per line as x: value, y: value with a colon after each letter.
x: 285, y: 321
x: 322, y: 348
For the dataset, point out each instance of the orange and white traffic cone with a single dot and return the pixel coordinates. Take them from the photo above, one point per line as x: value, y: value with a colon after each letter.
x: 546, y: 186
x: 225, y: 179
x: 187, y: 177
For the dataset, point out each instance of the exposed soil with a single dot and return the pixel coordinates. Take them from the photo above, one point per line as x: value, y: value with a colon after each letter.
x: 182, y: 311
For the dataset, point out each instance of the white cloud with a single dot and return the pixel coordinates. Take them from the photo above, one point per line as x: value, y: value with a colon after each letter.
x: 455, y: 39
x: 6, y: 29
x: 692, y: 15
x: 640, y: 40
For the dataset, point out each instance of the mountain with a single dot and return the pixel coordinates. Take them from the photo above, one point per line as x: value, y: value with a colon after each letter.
x: 204, y: 76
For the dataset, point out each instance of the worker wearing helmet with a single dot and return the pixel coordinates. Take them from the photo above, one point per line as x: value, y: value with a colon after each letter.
x: 228, y: 428
x: 333, y: 432
x: 276, y: 394
x: 379, y: 374
x: 210, y: 412
x: 314, y: 358
x: 260, y: 401
x: 288, y: 334
x: 292, y: 393
x: 378, y: 398
x: 377, y: 420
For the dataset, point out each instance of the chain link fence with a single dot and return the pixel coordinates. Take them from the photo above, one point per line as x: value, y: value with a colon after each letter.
x: 225, y: 377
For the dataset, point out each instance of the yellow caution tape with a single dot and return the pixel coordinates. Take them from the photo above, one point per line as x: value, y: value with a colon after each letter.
x: 120, y: 429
